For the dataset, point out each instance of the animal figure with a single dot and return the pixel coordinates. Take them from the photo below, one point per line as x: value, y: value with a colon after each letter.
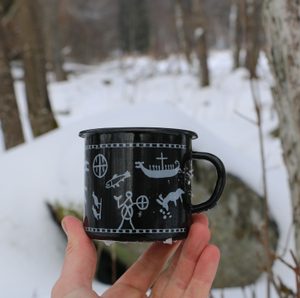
x: 116, y: 179
x: 171, y: 197
x: 96, y: 214
x: 96, y: 201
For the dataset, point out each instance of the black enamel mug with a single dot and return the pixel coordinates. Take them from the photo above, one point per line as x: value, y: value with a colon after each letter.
x: 138, y: 183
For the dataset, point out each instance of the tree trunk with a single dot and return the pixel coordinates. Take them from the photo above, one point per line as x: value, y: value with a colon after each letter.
x: 184, y: 27
x: 52, y: 38
x: 194, y: 34
x: 40, y: 112
x: 253, y: 35
x: 9, y: 112
x: 134, y: 26
x: 237, y: 31
x: 200, y: 27
x: 282, y: 23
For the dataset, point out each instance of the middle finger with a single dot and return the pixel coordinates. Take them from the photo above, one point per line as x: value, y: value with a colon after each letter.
x: 197, y: 240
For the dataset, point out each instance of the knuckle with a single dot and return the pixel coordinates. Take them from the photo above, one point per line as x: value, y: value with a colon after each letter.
x: 69, y: 248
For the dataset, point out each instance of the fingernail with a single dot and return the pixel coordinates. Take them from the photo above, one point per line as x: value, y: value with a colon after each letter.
x: 64, y: 227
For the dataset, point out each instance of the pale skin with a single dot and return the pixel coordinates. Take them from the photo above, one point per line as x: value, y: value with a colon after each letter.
x: 192, y: 266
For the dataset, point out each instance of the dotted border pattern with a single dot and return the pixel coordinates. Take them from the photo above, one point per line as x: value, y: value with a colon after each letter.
x: 136, y: 145
x: 136, y: 231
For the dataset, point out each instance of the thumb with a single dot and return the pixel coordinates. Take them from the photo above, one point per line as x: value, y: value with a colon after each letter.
x: 80, y: 258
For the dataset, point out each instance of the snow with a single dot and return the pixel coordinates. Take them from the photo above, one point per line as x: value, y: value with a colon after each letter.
x: 134, y: 91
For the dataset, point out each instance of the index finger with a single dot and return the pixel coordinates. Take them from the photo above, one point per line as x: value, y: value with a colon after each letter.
x: 204, y: 273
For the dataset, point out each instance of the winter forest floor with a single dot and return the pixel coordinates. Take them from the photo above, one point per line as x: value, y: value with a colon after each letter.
x: 130, y: 92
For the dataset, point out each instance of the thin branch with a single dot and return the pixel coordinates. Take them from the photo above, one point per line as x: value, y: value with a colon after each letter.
x: 265, y: 230
x: 294, y: 258
x: 245, y: 117
x: 285, y: 263
x: 297, y: 272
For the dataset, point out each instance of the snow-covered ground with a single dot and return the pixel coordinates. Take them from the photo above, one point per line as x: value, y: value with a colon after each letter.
x: 129, y: 92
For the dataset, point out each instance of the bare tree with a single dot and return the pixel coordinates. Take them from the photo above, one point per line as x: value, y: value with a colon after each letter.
x: 96, y: 23
x: 253, y: 34
x: 194, y: 30
x: 40, y: 113
x: 52, y: 37
x: 9, y: 112
x: 238, y: 21
x: 200, y: 29
x: 163, y: 34
x: 134, y: 25
x: 282, y: 23
x: 182, y: 11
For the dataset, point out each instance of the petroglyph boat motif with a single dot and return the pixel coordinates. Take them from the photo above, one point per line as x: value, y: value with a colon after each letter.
x: 159, y: 171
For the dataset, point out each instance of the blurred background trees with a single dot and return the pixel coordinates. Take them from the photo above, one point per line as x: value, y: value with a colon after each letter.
x: 42, y: 35
x: 133, y: 26
x: 91, y: 31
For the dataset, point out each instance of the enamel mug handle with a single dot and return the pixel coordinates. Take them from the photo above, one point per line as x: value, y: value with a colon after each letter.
x: 221, y: 179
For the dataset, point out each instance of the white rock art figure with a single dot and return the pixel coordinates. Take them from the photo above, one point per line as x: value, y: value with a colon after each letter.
x: 96, y: 214
x: 171, y: 197
x: 97, y: 202
x: 159, y: 171
x: 97, y: 207
x: 127, y: 211
x: 116, y: 180
x: 100, y: 165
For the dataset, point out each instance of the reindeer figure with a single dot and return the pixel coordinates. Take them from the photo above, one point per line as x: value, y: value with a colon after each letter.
x: 171, y: 197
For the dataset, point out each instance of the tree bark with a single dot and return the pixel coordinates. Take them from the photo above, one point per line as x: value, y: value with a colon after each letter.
x: 40, y: 113
x: 282, y: 23
x: 9, y: 111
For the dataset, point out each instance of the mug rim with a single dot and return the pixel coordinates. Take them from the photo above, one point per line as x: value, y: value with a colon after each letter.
x: 165, y: 130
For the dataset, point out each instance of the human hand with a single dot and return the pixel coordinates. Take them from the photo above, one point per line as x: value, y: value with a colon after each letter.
x: 190, y: 273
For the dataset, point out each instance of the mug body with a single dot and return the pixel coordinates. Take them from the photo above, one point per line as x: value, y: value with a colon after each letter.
x: 137, y: 183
